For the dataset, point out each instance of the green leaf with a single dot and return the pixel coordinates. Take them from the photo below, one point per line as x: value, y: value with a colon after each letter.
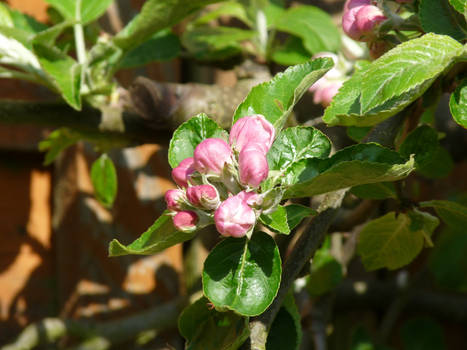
x: 285, y: 219
x: 394, y: 241
x: 380, y: 190
x: 48, y: 36
x: 357, y: 133
x: 448, y: 262
x: 438, y: 166
x: 162, y: 46
x: 326, y: 272
x: 104, y: 180
x: 89, y: 11
x: 458, y: 104
x: 57, y: 141
x: 215, y: 43
x: 243, y: 275
x: 276, y: 98
x: 291, y: 52
x: 161, y: 235
x: 314, y: 26
x: 228, y: 8
x: 422, y: 334
x: 421, y: 142
x: 190, y: 134
x: 25, y: 22
x: 205, y: 328
x: 351, y: 166
x: 459, y: 5
x: 286, y: 329
x: 452, y: 213
x: 64, y: 71
x: 5, y: 17
x: 437, y: 16
x: 393, y: 81
x: 297, y: 143
x: 154, y: 16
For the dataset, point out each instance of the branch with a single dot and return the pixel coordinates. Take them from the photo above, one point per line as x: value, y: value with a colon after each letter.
x: 146, y: 113
x: 98, y: 336
x: 302, y: 252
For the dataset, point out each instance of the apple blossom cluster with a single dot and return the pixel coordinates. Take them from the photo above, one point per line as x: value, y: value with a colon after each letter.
x: 220, y: 184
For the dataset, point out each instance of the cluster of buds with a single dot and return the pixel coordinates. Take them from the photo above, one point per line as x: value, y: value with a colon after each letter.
x: 360, y: 19
x: 220, y: 184
x: 328, y: 86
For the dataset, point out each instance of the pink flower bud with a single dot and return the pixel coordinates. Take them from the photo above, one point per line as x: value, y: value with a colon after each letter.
x: 185, y: 220
x: 253, y: 165
x: 181, y: 173
x: 234, y: 217
x: 211, y: 155
x: 252, y: 129
x: 367, y: 18
x: 174, y: 198
x: 349, y: 23
x: 204, y: 196
x: 328, y: 92
x: 350, y: 4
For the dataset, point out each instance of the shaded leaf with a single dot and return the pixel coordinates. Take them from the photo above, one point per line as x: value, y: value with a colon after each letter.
x: 438, y: 166
x: 422, y: 334
x: 190, y: 134
x: 64, y: 71
x: 351, y: 166
x: 25, y: 22
x: 162, y: 46
x: 154, y: 16
x: 291, y: 52
x: 276, y: 98
x: 422, y: 143
x: 215, y: 43
x: 437, y: 16
x: 48, y: 36
x: 393, y: 81
x: 448, y: 262
x: 394, y: 241
x: 227, y: 8
x: 104, y: 180
x: 161, y: 235
x: 358, y: 133
x: 205, y: 328
x: 286, y: 329
x: 380, y: 190
x: 243, y: 275
x: 458, y: 104
x: 326, y: 272
x: 452, y: 213
x: 314, y: 26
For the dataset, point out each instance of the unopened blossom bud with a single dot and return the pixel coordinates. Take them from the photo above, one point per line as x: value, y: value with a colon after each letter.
x: 234, y: 217
x: 350, y: 4
x: 185, y: 220
x: 174, y: 198
x: 367, y: 18
x: 253, y: 165
x: 181, y: 173
x: 204, y: 196
x: 325, y: 95
x: 211, y: 155
x: 252, y: 129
